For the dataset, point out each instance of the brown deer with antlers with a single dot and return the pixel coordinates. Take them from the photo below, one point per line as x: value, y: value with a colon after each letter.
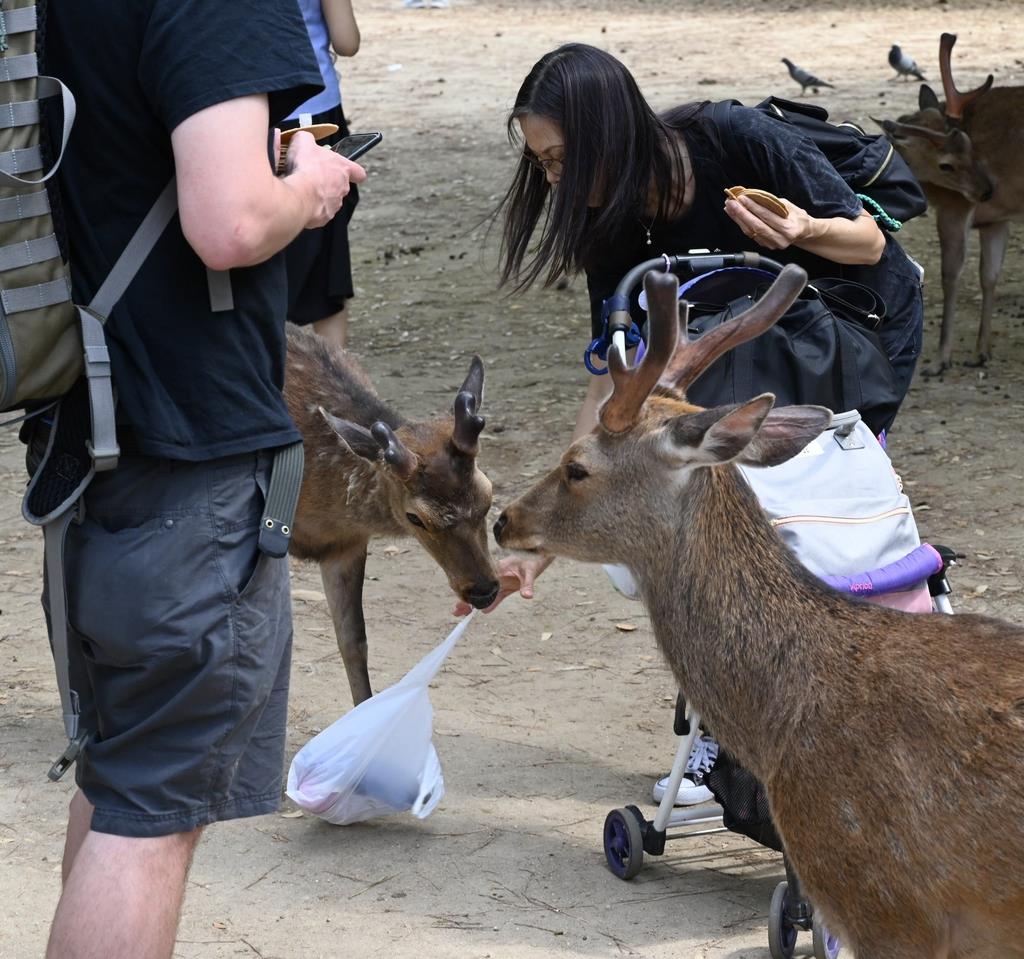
x: 370, y: 472
x: 891, y: 745
x: 966, y: 153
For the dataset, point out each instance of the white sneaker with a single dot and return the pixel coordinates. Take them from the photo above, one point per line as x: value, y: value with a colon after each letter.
x: 692, y: 790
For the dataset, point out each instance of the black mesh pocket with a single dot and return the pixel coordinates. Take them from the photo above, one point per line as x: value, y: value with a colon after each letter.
x: 744, y: 801
x: 59, y: 477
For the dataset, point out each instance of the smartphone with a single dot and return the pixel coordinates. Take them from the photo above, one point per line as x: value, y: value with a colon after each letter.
x: 354, y: 146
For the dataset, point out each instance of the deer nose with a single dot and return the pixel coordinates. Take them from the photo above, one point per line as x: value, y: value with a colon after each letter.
x: 481, y: 596
x: 499, y: 526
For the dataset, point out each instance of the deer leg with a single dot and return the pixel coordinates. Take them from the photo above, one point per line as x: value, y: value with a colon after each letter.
x: 953, y: 226
x: 342, y: 576
x: 994, y: 239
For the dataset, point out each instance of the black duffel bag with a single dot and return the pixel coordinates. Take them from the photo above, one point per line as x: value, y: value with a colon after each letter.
x: 823, y: 350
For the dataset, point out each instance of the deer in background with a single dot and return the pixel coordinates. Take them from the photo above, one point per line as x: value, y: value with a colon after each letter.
x: 891, y: 745
x: 966, y: 153
x: 370, y: 472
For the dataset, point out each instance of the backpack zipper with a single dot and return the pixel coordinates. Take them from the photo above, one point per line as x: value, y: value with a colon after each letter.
x: 842, y: 520
x: 881, y: 169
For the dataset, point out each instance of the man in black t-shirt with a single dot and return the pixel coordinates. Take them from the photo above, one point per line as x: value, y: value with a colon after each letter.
x: 180, y: 629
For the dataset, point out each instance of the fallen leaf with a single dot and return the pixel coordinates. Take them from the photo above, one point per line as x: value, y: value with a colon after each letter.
x: 294, y: 814
x: 308, y: 595
x: 220, y: 925
x: 625, y: 627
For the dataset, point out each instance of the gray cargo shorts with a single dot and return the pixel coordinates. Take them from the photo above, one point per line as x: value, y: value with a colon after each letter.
x: 180, y: 634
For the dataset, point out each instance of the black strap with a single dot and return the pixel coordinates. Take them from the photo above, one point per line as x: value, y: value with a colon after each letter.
x: 278, y: 519
x: 721, y: 117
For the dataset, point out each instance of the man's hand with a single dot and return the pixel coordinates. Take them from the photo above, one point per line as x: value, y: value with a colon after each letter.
x: 516, y: 574
x: 235, y: 211
x: 328, y: 173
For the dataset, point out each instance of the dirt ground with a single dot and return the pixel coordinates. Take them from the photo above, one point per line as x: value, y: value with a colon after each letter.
x: 548, y: 716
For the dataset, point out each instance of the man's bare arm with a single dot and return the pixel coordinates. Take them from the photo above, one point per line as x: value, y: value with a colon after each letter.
x: 234, y: 210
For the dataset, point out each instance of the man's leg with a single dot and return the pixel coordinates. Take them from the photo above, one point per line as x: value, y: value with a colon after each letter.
x: 334, y: 328
x: 122, y: 897
x: 79, y: 823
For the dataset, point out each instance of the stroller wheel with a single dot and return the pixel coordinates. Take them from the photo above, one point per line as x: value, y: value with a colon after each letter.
x: 826, y: 946
x: 623, y: 843
x: 781, y: 931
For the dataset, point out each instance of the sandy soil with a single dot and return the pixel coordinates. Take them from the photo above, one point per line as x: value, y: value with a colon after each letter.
x: 547, y: 715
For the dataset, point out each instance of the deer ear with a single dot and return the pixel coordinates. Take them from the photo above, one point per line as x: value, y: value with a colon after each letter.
x: 714, y: 436
x: 891, y: 128
x: 784, y: 433
x: 926, y: 98
x: 357, y: 438
x: 474, y: 381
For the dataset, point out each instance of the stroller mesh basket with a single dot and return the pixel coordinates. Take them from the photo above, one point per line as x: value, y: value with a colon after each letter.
x: 743, y: 800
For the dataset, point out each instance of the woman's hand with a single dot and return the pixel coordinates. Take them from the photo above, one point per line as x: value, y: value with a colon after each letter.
x: 857, y: 241
x: 768, y: 229
x: 516, y: 575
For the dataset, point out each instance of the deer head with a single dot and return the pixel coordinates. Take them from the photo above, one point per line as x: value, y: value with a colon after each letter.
x: 434, y: 489
x: 614, y: 489
x: 934, y: 141
x: 937, y: 153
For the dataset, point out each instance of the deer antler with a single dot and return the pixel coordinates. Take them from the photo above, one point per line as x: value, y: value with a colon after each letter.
x: 634, y: 385
x: 692, y: 359
x: 468, y: 425
x: 396, y: 453
x: 955, y: 100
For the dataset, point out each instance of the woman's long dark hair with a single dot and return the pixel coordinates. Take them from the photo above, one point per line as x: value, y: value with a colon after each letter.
x: 614, y: 144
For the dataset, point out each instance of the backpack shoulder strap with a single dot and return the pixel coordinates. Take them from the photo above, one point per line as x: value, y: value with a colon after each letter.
x: 103, y: 447
x: 721, y: 116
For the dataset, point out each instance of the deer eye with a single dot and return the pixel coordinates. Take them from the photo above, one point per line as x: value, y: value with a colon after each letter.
x: 415, y: 520
x: 574, y: 472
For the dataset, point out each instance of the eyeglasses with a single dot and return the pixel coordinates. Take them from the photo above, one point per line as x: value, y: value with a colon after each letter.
x: 547, y: 165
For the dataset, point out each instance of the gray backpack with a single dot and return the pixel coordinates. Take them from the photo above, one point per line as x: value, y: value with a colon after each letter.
x: 46, y: 341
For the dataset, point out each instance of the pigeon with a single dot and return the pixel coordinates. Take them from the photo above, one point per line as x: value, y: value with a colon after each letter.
x: 903, y: 65
x: 804, y: 78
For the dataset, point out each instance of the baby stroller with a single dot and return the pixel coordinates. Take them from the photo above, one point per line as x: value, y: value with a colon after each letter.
x: 841, y: 508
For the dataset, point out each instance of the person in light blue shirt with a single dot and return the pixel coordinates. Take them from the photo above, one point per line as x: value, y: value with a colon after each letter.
x: 319, y: 262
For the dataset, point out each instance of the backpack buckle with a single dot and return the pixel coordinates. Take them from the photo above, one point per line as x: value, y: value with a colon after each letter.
x: 104, y: 458
x: 67, y: 758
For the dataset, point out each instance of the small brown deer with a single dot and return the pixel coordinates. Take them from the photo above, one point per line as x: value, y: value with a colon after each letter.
x: 966, y: 153
x: 369, y: 472
x: 891, y: 745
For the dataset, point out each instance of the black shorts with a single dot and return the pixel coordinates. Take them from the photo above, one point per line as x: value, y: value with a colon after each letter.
x: 180, y: 638
x: 318, y: 261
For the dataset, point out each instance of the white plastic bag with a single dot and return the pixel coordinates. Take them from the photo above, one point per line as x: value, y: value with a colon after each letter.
x: 378, y: 758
